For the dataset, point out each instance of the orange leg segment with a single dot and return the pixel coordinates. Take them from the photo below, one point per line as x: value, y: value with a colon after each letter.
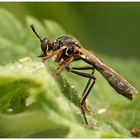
x: 63, y: 65
x: 53, y: 53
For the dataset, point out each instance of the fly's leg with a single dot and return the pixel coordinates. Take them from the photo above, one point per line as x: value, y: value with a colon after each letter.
x: 83, y: 100
x: 52, y: 54
x: 64, y: 64
x: 88, y: 83
x: 87, y: 89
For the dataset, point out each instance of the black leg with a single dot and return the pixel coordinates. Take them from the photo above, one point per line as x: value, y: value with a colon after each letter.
x: 83, y: 100
x: 85, y: 91
x: 83, y: 68
x: 88, y: 83
x: 87, y: 88
x: 79, y: 73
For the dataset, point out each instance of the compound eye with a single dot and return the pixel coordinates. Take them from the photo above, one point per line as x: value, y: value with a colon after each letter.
x: 44, y: 45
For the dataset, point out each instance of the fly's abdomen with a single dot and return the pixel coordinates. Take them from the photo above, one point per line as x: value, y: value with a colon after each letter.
x: 117, y: 82
x: 121, y: 85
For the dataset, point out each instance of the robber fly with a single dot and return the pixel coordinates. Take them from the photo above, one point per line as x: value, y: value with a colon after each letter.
x: 67, y: 50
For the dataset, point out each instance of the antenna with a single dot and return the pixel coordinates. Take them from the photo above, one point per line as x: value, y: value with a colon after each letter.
x: 33, y: 29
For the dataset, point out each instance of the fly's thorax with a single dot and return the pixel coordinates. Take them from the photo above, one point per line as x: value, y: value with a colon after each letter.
x: 55, y: 46
x: 66, y: 41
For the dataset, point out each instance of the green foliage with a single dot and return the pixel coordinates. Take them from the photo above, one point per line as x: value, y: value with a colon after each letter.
x: 33, y: 103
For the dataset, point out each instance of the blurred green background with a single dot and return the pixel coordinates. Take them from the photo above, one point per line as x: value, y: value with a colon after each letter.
x: 107, y: 28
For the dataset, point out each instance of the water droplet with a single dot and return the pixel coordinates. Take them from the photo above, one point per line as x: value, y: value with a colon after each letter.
x: 25, y: 59
x: 72, y: 86
x: 100, y: 111
x: 9, y: 110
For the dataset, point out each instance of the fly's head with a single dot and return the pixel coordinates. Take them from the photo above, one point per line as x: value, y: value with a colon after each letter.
x: 45, y: 45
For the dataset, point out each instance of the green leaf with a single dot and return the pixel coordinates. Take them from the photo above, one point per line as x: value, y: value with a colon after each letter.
x: 34, y: 103
x: 30, y: 99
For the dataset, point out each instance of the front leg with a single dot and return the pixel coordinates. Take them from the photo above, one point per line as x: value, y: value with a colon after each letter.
x: 53, y: 53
